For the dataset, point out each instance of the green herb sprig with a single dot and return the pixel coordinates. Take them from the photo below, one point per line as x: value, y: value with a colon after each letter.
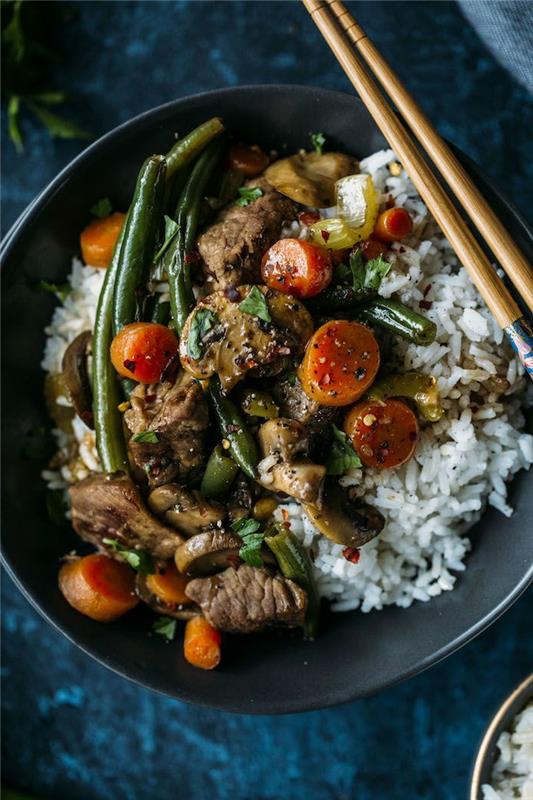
x: 342, y: 457
x: 255, y: 304
x: 250, y: 532
x: 140, y: 560
x: 247, y: 194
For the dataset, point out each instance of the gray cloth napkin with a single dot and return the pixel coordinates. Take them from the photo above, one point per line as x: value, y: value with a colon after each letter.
x: 506, y: 27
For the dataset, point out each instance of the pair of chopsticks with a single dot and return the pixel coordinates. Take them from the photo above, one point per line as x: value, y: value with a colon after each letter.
x: 362, y: 62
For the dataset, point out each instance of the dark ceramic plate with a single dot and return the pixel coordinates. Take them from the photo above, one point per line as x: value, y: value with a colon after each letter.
x: 502, y: 721
x: 357, y: 654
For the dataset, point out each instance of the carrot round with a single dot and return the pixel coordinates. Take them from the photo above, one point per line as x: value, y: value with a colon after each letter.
x: 393, y: 224
x: 98, y: 586
x: 296, y: 267
x: 248, y: 160
x: 169, y: 585
x: 142, y: 350
x: 201, y: 645
x: 340, y: 363
x: 383, y: 434
x: 98, y: 239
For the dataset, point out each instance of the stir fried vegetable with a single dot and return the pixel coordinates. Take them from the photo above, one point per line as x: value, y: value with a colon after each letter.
x: 384, y: 434
x: 309, y: 178
x: 297, y: 267
x: 98, y: 587
x: 201, y: 645
x: 98, y: 239
x: 168, y: 585
x: 248, y: 160
x: 420, y: 388
x: 393, y: 224
x: 219, y: 474
x: 399, y: 319
x: 242, y: 446
x: 184, y: 150
x: 142, y: 351
x: 258, y: 403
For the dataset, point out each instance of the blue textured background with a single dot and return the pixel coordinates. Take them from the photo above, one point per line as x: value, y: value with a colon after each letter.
x: 71, y: 729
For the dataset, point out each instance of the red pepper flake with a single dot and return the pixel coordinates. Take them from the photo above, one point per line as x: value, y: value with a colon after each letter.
x: 427, y: 290
x: 234, y: 561
x: 308, y: 217
x: 285, y: 515
x: 192, y: 257
x: 130, y: 365
x: 425, y: 304
x: 351, y: 554
x: 325, y: 235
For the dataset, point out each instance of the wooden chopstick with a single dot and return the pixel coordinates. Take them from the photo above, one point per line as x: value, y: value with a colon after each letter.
x: 491, y: 229
x: 493, y: 291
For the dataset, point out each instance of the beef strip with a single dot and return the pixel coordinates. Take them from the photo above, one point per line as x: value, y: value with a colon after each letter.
x: 178, y: 414
x: 232, y: 248
x: 316, y: 419
x: 111, y: 507
x: 248, y: 599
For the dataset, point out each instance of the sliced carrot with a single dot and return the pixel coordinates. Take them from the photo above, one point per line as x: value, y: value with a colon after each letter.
x: 98, y: 586
x: 248, y: 160
x: 98, y: 239
x: 296, y: 267
x: 169, y: 585
x: 201, y: 645
x: 383, y: 434
x: 392, y: 225
x: 142, y: 350
x: 340, y: 362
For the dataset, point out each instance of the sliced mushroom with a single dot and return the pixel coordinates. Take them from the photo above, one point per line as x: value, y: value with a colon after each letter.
x: 76, y: 376
x: 207, y: 553
x: 219, y: 337
x: 185, y: 509
x: 182, y: 611
x: 309, y: 178
x: 344, y: 519
x: 285, y: 466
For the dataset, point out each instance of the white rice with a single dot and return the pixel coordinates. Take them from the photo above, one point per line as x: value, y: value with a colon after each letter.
x: 512, y: 774
x: 461, y: 463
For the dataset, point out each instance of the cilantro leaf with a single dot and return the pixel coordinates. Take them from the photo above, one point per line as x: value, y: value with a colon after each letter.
x: 102, y: 208
x: 357, y: 268
x: 171, y: 229
x: 363, y: 275
x: 165, y: 626
x: 56, y: 506
x: 318, y: 140
x: 202, y: 322
x: 342, y: 457
x: 254, y: 303
x: 140, y: 560
x: 247, y: 194
x: 146, y: 437
x: 249, y: 531
x: 61, y: 290
x: 376, y: 269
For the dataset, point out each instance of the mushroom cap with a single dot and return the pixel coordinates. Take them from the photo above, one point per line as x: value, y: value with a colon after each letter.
x: 309, y: 178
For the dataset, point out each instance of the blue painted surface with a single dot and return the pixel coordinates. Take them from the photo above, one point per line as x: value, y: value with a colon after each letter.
x: 73, y: 730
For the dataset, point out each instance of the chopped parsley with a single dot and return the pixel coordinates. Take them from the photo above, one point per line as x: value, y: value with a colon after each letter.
x: 102, y: 208
x: 147, y: 437
x: 250, y: 532
x: 363, y: 275
x: 318, y: 140
x: 171, y: 229
x: 165, y: 626
x: 61, y: 290
x: 202, y: 322
x: 140, y: 560
x: 342, y: 457
x: 376, y: 269
x: 254, y: 303
x: 247, y: 194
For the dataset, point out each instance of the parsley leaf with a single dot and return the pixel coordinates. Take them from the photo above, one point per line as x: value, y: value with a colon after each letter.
x: 202, y: 322
x: 147, y: 437
x: 140, y: 560
x: 249, y: 531
x: 102, y: 208
x: 254, y: 303
x: 342, y: 457
x: 61, y: 290
x: 318, y: 140
x: 248, y: 194
x: 376, y: 269
x: 165, y: 626
x: 361, y: 274
x: 171, y: 229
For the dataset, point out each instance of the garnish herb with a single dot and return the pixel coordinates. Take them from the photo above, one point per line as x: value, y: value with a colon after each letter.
x: 249, y: 531
x: 147, y: 437
x: 61, y: 290
x: 247, y: 194
x: 318, y: 140
x: 165, y: 626
x: 102, y: 208
x: 342, y: 457
x: 202, y: 322
x: 56, y: 506
x: 361, y: 274
x: 171, y: 229
x: 140, y: 560
x: 376, y: 269
x: 254, y: 303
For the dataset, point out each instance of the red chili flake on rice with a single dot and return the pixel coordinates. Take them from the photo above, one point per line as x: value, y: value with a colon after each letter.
x: 351, y: 554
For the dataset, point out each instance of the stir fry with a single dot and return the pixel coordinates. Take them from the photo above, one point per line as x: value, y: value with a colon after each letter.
x: 239, y: 359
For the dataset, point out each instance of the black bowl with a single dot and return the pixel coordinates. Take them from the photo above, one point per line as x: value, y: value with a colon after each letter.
x: 357, y: 654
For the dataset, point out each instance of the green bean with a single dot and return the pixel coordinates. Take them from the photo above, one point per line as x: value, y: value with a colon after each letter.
x: 400, y: 320
x: 187, y: 213
x: 295, y: 564
x: 219, y: 474
x: 137, y: 247
x: 242, y: 446
x: 106, y: 392
x: 184, y: 150
x: 231, y: 181
x: 339, y: 297
x: 257, y: 403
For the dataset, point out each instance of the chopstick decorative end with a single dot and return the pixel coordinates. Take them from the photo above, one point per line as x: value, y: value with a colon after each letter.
x: 520, y: 333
